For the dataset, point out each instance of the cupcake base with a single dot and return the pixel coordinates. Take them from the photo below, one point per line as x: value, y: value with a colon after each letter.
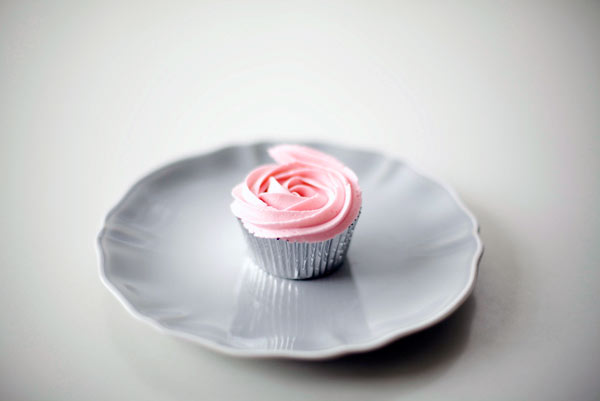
x: 299, y: 260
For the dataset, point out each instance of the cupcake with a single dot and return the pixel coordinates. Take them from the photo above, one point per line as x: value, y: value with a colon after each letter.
x: 298, y: 214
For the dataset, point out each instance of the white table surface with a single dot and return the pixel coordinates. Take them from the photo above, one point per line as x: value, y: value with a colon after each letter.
x: 502, y: 101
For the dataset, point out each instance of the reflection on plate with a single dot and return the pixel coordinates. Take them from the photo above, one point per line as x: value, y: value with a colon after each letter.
x: 280, y: 314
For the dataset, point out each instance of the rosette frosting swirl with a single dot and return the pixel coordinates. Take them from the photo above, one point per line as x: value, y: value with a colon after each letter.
x: 307, y: 196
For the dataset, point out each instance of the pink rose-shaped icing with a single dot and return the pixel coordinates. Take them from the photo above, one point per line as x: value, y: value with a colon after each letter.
x: 308, y: 196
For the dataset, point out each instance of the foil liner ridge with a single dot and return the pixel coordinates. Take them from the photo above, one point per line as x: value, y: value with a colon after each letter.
x: 299, y: 260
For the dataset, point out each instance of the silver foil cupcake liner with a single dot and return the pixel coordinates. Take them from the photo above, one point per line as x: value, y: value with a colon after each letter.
x: 299, y: 260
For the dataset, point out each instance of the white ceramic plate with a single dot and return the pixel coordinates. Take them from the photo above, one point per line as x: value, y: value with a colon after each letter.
x: 174, y: 255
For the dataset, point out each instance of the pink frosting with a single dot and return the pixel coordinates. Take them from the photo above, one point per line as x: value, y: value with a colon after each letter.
x: 308, y: 196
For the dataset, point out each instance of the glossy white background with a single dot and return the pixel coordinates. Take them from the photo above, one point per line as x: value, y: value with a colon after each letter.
x: 501, y: 101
